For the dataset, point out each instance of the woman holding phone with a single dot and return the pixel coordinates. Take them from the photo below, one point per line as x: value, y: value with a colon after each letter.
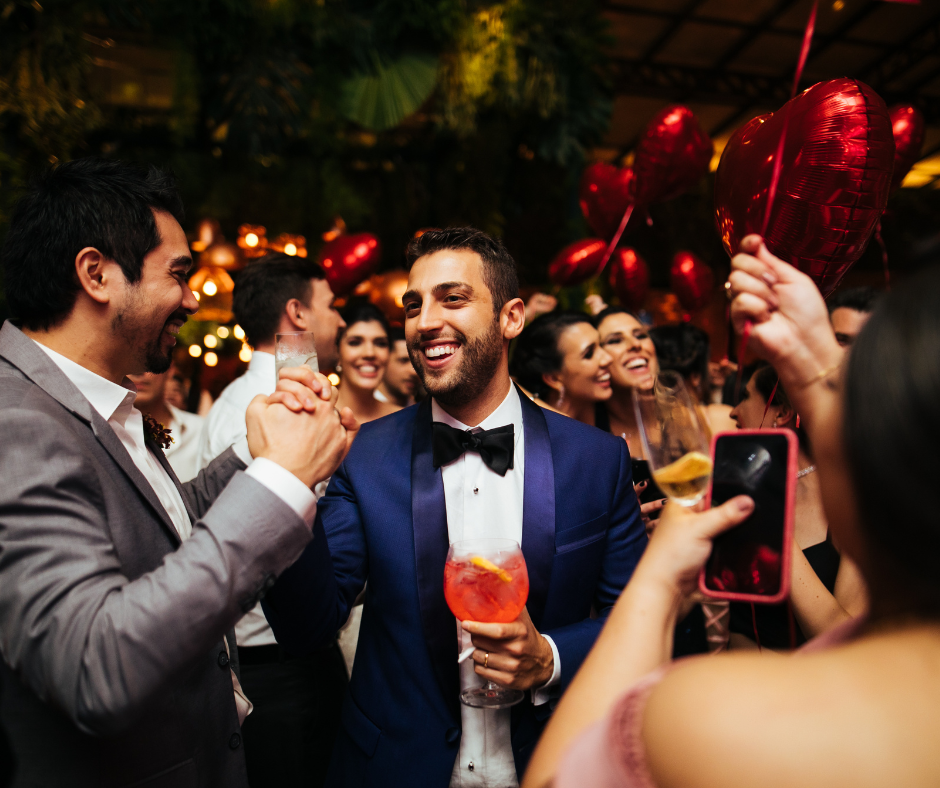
x: 858, y: 706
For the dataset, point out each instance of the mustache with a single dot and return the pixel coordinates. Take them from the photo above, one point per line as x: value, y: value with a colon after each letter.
x: 414, y: 346
x: 178, y: 316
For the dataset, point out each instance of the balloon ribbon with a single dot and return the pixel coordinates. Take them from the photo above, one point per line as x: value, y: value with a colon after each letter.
x: 616, y: 239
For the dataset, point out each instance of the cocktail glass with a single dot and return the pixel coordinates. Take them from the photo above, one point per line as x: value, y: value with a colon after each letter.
x: 486, y: 580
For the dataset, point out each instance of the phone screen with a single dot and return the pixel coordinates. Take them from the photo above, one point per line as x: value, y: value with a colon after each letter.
x: 747, y: 559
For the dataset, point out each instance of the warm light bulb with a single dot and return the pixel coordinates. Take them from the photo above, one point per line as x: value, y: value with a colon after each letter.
x: 223, y: 332
x: 290, y: 249
x: 244, y: 354
x: 196, y: 294
x: 209, y: 340
x: 195, y: 351
x: 209, y: 288
x: 251, y: 239
x: 333, y: 378
x: 238, y: 332
x: 211, y: 359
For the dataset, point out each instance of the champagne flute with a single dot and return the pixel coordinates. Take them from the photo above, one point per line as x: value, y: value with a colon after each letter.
x: 675, y: 441
x: 294, y: 349
x: 486, y: 580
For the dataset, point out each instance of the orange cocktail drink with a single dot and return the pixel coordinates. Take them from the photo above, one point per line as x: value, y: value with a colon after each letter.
x: 490, y: 589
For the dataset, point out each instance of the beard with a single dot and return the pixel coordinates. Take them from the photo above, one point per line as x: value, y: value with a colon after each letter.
x: 139, y: 329
x: 480, y: 358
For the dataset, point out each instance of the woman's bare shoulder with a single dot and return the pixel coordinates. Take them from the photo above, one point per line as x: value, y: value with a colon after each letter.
x: 835, y: 718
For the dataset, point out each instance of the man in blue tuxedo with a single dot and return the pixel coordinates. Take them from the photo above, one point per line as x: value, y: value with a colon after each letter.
x: 476, y: 459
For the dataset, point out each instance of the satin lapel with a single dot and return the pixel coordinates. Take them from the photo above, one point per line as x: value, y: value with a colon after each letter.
x: 429, y: 517
x: 107, y: 438
x: 538, y: 508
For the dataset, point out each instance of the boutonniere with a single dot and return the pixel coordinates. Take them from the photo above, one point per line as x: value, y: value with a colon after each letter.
x: 159, y: 434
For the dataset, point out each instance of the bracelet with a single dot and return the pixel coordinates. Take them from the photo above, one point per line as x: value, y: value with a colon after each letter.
x: 821, y: 376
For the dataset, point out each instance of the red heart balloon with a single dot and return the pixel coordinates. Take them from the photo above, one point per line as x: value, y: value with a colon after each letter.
x: 834, y: 178
x: 577, y: 262
x: 629, y: 277
x: 907, y: 125
x: 606, y: 193
x: 671, y: 156
x: 349, y: 259
x: 691, y: 280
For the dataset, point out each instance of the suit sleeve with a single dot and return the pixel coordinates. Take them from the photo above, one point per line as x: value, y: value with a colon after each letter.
x: 312, y: 599
x: 626, y: 541
x: 79, y: 633
x: 202, y: 491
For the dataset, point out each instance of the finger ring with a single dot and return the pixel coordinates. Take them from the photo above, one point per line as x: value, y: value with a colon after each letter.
x: 728, y: 292
x: 486, y: 660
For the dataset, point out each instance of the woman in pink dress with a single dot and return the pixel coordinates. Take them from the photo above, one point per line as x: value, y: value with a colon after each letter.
x: 857, y: 707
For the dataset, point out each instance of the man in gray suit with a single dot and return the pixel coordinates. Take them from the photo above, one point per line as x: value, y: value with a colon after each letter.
x: 119, y: 585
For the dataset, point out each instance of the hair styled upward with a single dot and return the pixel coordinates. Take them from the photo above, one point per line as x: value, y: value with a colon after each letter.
x: 499, y: 269
x: 91, y: 202
x: 263, y: 288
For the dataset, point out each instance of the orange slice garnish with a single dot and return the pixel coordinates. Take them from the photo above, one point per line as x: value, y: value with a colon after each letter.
x: 489, y: 566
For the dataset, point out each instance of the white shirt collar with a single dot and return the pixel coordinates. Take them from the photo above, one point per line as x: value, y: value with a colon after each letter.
x: 509, y: 412
x: 109, y: 399
x: 261, y: 364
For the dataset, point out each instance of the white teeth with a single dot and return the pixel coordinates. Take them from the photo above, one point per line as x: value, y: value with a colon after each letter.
x: 440, y: 350
x: 368, y: 369
x: 637, y: 364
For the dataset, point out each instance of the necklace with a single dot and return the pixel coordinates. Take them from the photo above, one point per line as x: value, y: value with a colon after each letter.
x: 806, y: 471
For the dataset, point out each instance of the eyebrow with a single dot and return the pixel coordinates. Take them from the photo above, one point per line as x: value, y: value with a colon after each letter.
x: 438, y: 290
x: 183, y: 260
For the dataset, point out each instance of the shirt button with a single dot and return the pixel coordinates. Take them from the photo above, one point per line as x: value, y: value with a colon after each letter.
x: 476, y: 490
x: 223, y: 659
x: 470, y: 766
x: 235, y: 741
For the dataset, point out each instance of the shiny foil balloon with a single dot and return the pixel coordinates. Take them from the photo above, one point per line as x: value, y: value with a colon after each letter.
x: 578, y: 262
x: 834, y: 178
x: 629, y: 277
x: 691, y: 280
x: 671, y: 157
x: 907, y: 126
x: 349, y: 259
x: 606, y: 193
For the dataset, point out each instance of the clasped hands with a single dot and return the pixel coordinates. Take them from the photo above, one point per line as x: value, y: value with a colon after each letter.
x: 299, y: 426
x: 519, y: 657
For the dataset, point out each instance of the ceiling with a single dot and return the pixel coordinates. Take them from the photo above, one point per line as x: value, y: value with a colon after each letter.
x: 730, y: 60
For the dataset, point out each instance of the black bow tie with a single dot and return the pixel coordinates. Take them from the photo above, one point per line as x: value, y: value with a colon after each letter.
x: 495, y: 447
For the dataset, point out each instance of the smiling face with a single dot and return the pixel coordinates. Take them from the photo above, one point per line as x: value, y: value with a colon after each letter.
x: 633, y: 354
x: 585, y: 365
x: 363, y: 352
x: 149, y: 313
x: 456, y: 339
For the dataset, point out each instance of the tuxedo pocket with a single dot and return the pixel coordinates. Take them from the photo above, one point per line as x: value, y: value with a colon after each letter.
x: 581, y: 535
x: 364, y: 733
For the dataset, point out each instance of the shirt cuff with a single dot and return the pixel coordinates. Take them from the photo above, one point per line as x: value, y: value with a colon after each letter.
x: 543, y: 694
x: 285, y: 486
x: 240, y: 447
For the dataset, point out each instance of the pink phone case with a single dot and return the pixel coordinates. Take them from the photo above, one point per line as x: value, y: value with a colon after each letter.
x: 785, y: 558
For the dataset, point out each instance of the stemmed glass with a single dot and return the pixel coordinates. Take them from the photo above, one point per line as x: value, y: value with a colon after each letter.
x: 486, y: 580
x: 294, y: 349
x: 674, y: 439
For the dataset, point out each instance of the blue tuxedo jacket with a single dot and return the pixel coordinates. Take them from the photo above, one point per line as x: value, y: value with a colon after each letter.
x: 383, y: 520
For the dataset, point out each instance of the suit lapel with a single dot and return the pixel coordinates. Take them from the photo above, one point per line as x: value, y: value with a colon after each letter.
x: 157, y: 452
x: 538, y: 508
x: 429, y: 516
x: 22, y: 353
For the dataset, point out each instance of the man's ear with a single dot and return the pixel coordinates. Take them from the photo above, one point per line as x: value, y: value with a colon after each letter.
x: 297, y: 313
x: 96, y: 274
x: 512, y: 318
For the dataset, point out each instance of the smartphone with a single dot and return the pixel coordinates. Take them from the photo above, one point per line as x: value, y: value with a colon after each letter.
x: 751, y: 562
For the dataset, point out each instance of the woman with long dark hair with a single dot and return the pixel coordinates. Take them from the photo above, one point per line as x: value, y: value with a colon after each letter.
x: 859, y: 706
x: 363, y: 357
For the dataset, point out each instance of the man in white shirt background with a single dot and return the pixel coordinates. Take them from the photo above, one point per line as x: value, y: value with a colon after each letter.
x: 185, y: 427
x: 400, y: 382
x: 290, y: 733
x: 118, y: 584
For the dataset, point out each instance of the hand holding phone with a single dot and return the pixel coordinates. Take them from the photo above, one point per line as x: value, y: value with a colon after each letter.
x: 751, y: 563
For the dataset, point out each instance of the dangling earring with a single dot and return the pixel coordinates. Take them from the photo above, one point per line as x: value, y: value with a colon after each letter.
x: 561, y: 397
x: 774, y: 425
x: 339, y: 368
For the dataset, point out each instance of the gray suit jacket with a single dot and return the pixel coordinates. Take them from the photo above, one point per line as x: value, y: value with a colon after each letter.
x: 114, y: 669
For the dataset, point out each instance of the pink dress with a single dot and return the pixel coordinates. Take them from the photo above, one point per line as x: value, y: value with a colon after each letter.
x: 610, y: 754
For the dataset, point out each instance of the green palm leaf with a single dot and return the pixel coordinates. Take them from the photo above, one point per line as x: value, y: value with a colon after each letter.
x: 390, y: 92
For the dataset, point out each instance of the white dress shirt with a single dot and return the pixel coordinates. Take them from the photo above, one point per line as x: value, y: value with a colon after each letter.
x: 480, y: 503
x: 183, y: 453
x: 224, y: 426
